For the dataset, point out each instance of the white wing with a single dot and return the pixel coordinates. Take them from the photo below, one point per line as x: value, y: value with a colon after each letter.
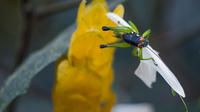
x: 146, y: 70
x: 118, y: 20
x: 165, y: 71
x: 146, y: 73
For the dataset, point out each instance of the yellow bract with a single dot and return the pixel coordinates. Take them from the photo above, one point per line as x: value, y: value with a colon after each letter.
x: 84, y: 77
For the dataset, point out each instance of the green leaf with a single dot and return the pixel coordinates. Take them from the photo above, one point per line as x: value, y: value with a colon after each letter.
x: 18, y: 82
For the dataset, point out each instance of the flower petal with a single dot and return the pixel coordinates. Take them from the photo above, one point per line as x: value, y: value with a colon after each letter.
x: 81, y: 11
x: 84, y: 76
x: 119, y: 10
x: 96, y: 2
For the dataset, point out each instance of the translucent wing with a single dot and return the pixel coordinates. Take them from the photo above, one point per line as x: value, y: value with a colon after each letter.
x: 118, y: 20
x: 165, y: 72
x: 146, y: 70
x: 146, y: 73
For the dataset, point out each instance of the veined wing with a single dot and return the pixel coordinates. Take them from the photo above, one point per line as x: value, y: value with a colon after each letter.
x: 146, y: 70
x: 165, y: 72
x: 118, y: 20
x: 146, y: 73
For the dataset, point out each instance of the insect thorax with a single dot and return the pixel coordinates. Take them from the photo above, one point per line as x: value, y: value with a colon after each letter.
x: 132, y: 38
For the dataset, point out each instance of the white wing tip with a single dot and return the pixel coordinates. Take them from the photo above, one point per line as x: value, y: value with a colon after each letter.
x: 181, y: 93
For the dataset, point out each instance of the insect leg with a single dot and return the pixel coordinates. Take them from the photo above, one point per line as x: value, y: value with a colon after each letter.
x: 146, y: 34
x: 117, y: 44
x: 118, y: 29
x: 134, y: 52
x: 141, y: 57
x: 133, y: 26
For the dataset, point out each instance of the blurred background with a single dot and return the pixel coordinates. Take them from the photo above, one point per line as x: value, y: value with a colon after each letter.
x: 28, y: 25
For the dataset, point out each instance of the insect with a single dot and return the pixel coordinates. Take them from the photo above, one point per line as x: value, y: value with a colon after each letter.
x: 150, y: 61
x: 130, y: 37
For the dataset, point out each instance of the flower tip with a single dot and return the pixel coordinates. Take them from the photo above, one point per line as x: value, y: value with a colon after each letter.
x: 104, y: 28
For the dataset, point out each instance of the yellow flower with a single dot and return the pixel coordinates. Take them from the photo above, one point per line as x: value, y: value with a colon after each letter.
x: 84, y: 77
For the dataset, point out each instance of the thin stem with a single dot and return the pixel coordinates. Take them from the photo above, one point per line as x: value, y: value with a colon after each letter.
x: 186, y: 108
